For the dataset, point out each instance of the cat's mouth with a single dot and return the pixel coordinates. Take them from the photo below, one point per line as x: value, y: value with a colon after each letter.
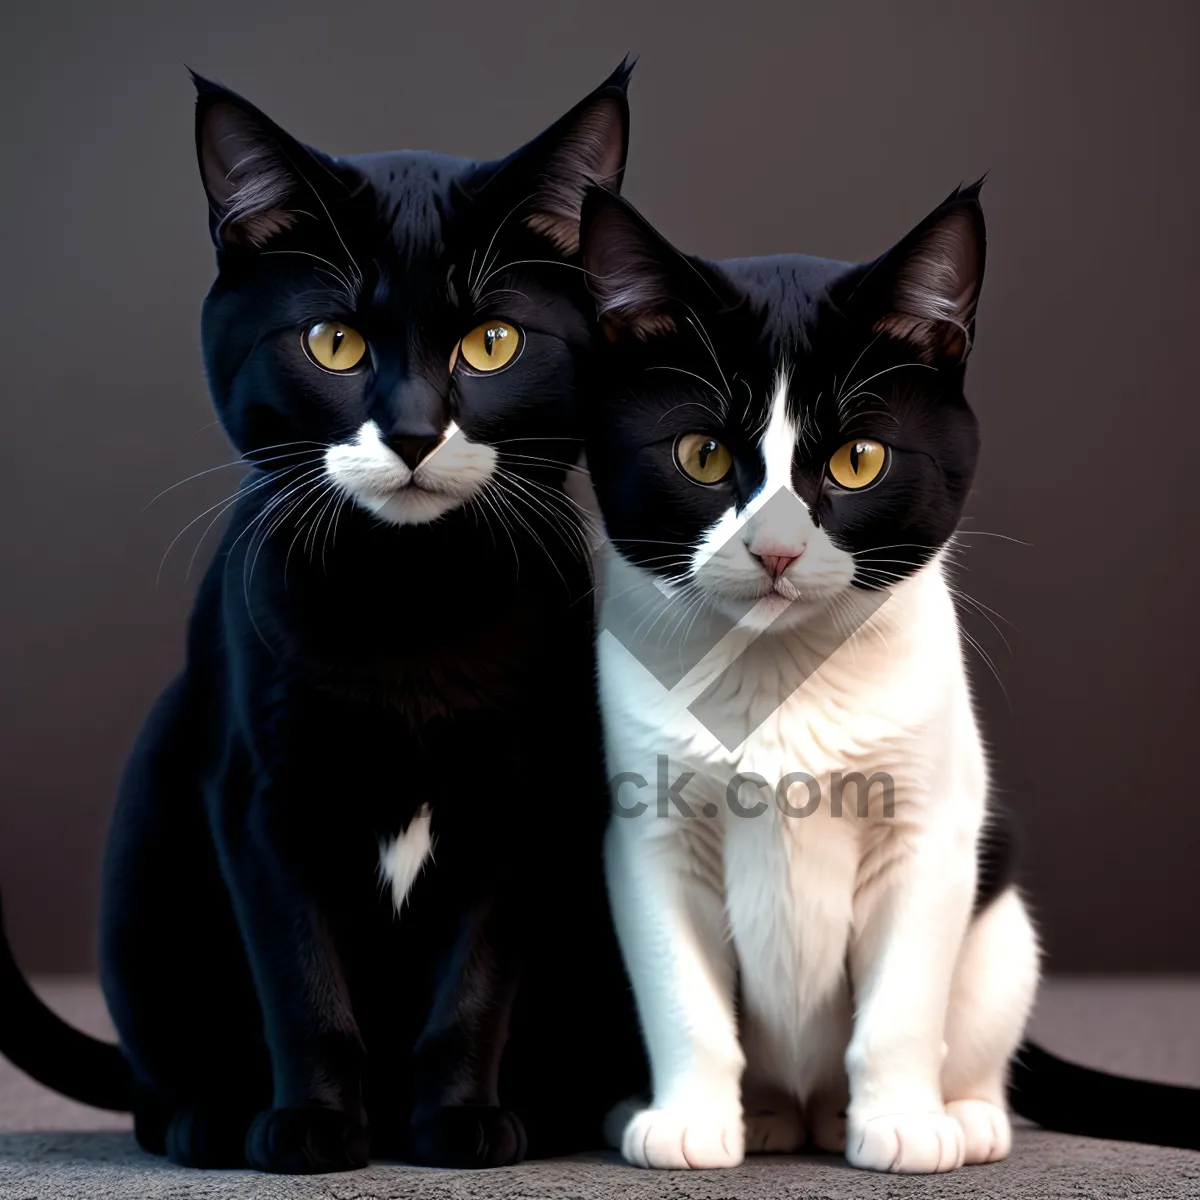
x: 775, y: 603
x: 785, y: 589
x: 417, y: 482
x: 381, y: 482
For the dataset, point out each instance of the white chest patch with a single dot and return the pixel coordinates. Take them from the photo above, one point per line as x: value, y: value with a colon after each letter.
x: 402, y: 859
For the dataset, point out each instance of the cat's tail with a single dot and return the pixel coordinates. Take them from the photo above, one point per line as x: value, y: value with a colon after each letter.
x: 1068, y: 1098
x: 46, y: 1048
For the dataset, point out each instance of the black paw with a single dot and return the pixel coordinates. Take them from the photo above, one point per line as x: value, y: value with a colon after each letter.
x: 206, y: 1137
x: 150, y: 1127
x: 474, y: 1135
x: 305, y: 1141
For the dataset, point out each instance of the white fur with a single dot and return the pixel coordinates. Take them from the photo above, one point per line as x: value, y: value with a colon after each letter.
x: 379, y: 480
x: 402, y: 859
x: 776, y: 521
x: 863, y: 984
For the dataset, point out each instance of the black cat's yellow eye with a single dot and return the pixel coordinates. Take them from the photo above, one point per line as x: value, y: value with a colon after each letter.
x: 488, y: 347
x: 857, y: 464
x: 702, y: 458
x: 335, y: 346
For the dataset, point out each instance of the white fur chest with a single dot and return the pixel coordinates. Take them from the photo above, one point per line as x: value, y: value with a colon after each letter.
x: 790, y: 704
x: 783, y: 803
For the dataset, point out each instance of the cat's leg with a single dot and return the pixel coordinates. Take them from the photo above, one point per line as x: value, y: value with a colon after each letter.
x: 457, y: 1119
x: 574, y: 1050
x: 914, y: 917
x: 665, y: 883
x: 264, y: 820
x: 171, y: 961
x: 993, y: 991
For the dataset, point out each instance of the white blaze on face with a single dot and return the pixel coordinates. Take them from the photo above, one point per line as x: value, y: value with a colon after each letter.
x: 775, y: 523
x: 379, y: 480
x: 779, y: 443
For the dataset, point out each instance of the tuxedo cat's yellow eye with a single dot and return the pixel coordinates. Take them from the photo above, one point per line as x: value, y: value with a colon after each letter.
x: 857, y: 463
x: 702, y: 458
x: 488, y: 347
x: 335, y: 346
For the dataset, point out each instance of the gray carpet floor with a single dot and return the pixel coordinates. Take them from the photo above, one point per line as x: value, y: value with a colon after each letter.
x: 52, y: 1148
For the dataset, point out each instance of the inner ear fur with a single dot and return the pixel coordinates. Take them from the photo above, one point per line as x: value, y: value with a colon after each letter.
x: 254, y: 174
x: 926, y: 290
x: 642, y: 285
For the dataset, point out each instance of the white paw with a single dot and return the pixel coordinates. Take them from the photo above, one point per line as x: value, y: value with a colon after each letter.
x: 678, y: 1138
x: 908, y: 1142
x: 987, y: 1131
x: 774, y: 1131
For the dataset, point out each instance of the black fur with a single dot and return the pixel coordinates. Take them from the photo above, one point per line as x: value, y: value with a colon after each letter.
x: 273, y: 1008
x: 997, y: 857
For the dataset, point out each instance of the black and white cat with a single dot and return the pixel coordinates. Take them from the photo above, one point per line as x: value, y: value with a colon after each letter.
x: 812, y: 896
x: 332, y: 891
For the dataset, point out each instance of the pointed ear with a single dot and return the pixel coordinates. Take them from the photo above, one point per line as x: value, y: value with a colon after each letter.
x: 925, y: 290
x: 643, y: 286
x: 545, y: 179
x: 253, y: 172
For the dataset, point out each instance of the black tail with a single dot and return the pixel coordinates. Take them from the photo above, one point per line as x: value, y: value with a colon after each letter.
x: 49, y: 1050
x: 1062, y: 1096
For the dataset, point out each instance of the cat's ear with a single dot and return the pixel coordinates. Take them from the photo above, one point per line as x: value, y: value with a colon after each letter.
x: 546, y: 179
x: 925, y: 290
x: 255, y: 175
x: 643, y: 286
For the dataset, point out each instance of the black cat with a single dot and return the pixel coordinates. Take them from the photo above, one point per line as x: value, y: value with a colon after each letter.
x: 354, y: 871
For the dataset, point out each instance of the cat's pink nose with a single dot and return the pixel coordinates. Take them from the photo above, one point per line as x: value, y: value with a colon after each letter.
x: 776, y: 564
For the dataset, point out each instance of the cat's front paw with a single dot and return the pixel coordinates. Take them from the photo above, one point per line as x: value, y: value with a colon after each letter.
x: 209, y: 1138
x: 917, y: 1143
x: 679, y: 1138
x: 468, y: 1136
x: 306, y: 1141
x: 986, y: 1128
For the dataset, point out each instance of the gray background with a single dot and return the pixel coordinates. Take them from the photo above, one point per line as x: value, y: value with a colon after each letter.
x: 827, y: 128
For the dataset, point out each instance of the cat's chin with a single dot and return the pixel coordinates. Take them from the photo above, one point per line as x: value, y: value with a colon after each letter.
x: 779, y: 611
x: 411, y: 505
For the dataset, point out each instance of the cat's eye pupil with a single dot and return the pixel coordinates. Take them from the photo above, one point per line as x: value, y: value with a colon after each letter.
x: 702, y: 458
x: 491, y: 346
x: 857, y: 464
x: 334, y: 346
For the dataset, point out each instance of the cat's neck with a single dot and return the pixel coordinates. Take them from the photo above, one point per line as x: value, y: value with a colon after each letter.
x: 343, y: 574
x: 732, y: 676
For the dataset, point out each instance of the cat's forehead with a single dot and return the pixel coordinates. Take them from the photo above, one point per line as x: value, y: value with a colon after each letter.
x: 415, y: 194
x: 787, y: 341
x: 787, y: 289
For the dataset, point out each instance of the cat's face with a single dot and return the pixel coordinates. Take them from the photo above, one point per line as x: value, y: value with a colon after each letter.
x: 403, y: 329
x: 777, y: 434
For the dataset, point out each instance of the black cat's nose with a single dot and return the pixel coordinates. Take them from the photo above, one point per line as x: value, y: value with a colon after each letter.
x: 413, y: 450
